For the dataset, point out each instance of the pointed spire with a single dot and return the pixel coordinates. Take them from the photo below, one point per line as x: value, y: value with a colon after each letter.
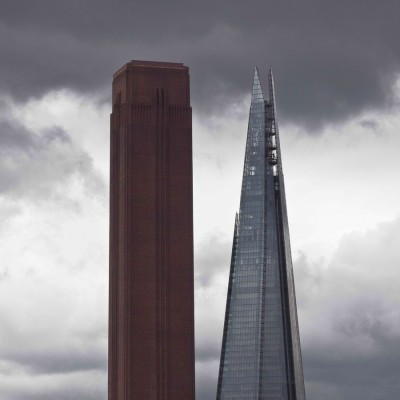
x: 271, y: 88
x: 271, y: 99
x: 257, y: 94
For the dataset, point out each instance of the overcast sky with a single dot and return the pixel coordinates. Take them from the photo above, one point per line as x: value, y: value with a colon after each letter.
x: 336, y: 67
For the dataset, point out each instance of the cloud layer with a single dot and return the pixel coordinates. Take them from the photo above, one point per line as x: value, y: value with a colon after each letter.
x: 354, y: 301
x: 52, y: 278
x: 332, y: 60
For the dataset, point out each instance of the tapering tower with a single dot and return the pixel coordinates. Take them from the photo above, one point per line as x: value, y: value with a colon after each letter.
x: 261, y: 355
x: 151, y: 319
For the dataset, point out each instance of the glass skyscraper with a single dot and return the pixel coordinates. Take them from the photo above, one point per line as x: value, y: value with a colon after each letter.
x: 261, y: 355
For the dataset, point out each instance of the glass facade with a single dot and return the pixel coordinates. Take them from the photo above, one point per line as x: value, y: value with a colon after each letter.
x: 261, y: 356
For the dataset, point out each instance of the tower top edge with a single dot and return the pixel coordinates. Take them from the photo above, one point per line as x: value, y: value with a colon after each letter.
x: 151, y: 65
x: 156, y: 63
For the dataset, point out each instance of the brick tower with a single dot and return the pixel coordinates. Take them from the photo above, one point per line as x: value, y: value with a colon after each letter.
x: 151, y: 319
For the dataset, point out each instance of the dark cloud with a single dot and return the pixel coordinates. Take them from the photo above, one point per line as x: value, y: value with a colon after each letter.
x: 351, y: 329
x: 87, y: 386
x: 69, y: 358
x: 370, y: 124
x: 331, y: 59
x: 39, y: 165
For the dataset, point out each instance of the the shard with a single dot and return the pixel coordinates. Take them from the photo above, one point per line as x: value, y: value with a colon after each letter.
x: 261, y: 355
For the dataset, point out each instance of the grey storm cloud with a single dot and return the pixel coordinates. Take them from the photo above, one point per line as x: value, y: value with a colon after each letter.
x: 51, y: 364
x: 88, y: 386
x: 37, y: 165
x: 88, y: 355
x: 332, y: 60
x: 356, y: 348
